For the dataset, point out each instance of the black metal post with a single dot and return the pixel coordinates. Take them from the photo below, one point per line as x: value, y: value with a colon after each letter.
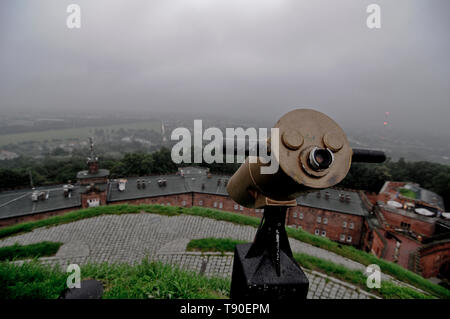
x: 266, y: 268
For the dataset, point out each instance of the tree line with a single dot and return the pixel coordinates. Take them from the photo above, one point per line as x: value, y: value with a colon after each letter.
x: 370, y: 177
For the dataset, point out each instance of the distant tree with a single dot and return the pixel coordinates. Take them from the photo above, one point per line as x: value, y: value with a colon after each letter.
x: 58, y: 151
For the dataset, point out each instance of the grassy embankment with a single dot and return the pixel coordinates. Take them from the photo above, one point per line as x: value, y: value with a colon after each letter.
x: 37, y: 250
x: 141, y: 281
x: 346, y: 251
x: 213, y: 244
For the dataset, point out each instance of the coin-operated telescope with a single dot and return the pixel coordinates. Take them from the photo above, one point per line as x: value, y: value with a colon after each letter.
x: 313, y: 153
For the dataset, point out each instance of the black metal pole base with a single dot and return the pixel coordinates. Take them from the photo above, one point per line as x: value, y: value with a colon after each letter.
x: 256, y: 277
x: 266, y: 269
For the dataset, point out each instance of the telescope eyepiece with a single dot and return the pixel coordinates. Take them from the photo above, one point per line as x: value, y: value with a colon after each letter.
x: 320, y: 158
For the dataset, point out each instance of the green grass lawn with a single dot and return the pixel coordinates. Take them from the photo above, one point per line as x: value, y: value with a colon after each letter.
x: 213, y: 244
x: 350, y: 252
x: 388, y: 290
x: 37, y: 250
x: 142, y: 281
x: 407, y: 193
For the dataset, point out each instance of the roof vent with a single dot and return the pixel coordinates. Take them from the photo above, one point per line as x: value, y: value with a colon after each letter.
x: 209, y: 175
x: 318, y: 194
x: 39, y: 195
x: 143, y: 184
x: 122, y: 185
x: 327, y: 195
x: 138, y: 184
x: 347, y: 198
x: 341, y: 197
x: 218, y: 182
x: 67, y: 189
x: 203, y: 186
x: 162, y: 182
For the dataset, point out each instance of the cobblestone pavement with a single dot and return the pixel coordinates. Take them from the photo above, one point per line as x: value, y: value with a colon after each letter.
x: 321, y: 286
x: 132, y: 237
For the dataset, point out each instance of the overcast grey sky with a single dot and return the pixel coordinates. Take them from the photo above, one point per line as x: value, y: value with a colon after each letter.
x: 247, y: 57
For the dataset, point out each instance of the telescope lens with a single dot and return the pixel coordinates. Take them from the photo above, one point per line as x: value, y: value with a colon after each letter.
x: 320, y: 158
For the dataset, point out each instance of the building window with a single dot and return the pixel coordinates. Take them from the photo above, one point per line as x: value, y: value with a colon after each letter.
x: 236, y: 206
x: 220, y: 205
x: 241, y: 207
x: 405, y: 225
x: 262, y: 210
x: 351, y: 225
x: 299, y: 226
x: 215, y: 204
x: 344, y: 224
x: 342, y: 237
x: 325, y: 220
x: 349, y: 239
x: 319, y: 219
x: 168, y: 204
x: 324, y: 233
x: 300, y: 215
x: 200, y: 203
x: 295, y: 215
x: 317, y: 232
x: 183, y: 203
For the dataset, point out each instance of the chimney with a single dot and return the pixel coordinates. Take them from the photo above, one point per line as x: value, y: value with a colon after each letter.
x: 93, y: 166
x: 92, y: 160
x: 162, y: 182
x: 347, y: 198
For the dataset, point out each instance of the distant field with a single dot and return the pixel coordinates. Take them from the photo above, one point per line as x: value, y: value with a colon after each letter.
x: 78, y: 133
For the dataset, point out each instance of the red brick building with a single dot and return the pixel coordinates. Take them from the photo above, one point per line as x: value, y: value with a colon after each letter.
x: 409, y: 230
x: 337, y: 214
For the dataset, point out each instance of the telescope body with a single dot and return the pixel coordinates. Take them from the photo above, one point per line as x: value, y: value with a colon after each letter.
x: 314, y: 153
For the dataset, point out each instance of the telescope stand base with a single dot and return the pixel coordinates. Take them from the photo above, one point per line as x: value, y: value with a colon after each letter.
x: 256, y: 277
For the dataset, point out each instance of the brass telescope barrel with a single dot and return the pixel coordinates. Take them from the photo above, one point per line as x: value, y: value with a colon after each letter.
x: 314, y: 153
x: 360, y: 155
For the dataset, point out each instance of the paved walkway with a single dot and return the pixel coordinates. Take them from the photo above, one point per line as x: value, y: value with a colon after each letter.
x: 132, y: 237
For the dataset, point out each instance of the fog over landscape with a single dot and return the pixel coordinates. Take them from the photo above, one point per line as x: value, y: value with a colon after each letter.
x: 137, y: 159
x: 242, y: 58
